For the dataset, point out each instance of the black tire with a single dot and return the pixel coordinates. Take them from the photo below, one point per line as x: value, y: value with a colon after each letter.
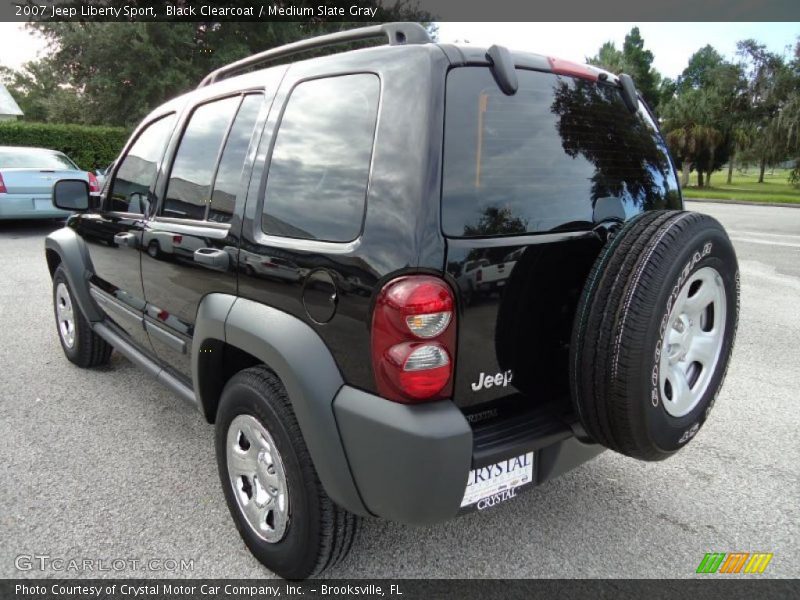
x: 154, y: 249
x: 319, y: 533
x: 620, y: 323
x: 88, y: 348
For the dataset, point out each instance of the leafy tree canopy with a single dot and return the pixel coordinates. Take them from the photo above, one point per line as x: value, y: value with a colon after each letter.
x: 115, y: 73
x: 634, y: 60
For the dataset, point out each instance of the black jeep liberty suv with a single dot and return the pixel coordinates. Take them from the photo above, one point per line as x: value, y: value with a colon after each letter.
x: 406, y: 281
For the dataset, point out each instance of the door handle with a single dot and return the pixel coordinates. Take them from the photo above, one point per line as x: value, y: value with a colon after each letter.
x: 211, y: 257
x: 125, y: 239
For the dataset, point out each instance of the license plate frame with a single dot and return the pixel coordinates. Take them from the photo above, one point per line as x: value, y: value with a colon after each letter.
x: 500, y: 479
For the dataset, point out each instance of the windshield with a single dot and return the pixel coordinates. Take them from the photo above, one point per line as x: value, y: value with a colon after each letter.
x: 561, y: 154
x: 31, y: 158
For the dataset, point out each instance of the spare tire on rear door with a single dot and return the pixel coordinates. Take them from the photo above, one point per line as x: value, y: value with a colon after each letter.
x: 653, y: 333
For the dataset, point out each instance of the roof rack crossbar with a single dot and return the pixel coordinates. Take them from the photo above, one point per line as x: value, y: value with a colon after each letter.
x: 396, y: 34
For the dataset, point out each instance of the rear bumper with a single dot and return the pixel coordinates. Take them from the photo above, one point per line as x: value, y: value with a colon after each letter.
x: 410, y: 464
x: 490, y: 286
x: 26, y: 206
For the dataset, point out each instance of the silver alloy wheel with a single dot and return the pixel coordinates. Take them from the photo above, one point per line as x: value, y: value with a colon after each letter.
x: 693, y: 341
x: 258, y: 479
x: 65, y: 315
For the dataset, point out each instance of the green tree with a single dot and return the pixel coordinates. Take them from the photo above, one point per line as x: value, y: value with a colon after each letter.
x: 634, y: 60
x: 117, y: 72
x: 495, y: 220
x: 640, y: 62
x: 702, y: 67
x: 667, y: 90
x: 38, y: 90
x: 724, y: 86
x: 789, y: 119
x: 692, y: 133
x: 770, y: 86
x: 609, y: 58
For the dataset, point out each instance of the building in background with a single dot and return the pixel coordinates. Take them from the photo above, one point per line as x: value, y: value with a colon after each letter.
x: 9, y: 109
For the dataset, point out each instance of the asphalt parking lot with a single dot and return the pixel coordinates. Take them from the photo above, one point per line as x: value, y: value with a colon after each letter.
x: 106, y: 464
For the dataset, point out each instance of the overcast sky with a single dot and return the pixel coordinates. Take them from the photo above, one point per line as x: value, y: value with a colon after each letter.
x: 671, y: 43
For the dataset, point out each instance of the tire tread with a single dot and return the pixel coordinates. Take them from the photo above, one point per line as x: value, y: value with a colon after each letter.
x: 337, y: 526
x: 91, y: 350
x: 614, y: 314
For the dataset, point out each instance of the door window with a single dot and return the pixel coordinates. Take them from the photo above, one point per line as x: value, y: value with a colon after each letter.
x: 231, y: 165
x: 130, y: 191
x: 189, y: 187
x: 208, y: 165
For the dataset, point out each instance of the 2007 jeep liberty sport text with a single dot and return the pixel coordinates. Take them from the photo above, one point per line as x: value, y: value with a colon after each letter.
x: 408, y: 281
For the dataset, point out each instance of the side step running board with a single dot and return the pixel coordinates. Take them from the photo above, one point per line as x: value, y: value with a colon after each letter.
x: 145, y: 363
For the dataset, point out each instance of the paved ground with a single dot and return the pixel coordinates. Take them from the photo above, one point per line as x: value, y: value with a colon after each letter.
x: 106, y: 464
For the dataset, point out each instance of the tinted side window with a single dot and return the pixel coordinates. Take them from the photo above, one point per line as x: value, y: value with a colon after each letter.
x: 189, y: 187
x: 137, y: 171
x: 229, y: 172
x: 317, y: 181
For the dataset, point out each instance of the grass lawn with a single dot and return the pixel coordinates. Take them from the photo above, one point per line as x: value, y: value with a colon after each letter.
x: 776, y: 187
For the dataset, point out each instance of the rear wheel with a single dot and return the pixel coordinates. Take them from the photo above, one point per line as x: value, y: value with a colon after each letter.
x: 81, y: 345
x: 654, y: 332
x: 154, y: 249
x: 271, y: 487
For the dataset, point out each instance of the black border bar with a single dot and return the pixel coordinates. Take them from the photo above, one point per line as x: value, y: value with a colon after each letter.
x: 382, y: 10
x: 706, y: 587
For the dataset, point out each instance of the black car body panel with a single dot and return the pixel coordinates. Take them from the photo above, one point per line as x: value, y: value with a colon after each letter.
x: 400, y: 228
x: 180, y: 291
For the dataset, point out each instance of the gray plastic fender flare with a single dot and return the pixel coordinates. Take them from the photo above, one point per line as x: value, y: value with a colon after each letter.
x: 77, y: 264
x: 299, y: 357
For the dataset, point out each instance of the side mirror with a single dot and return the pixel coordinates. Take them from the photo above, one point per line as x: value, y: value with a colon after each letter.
x: 71, y: 194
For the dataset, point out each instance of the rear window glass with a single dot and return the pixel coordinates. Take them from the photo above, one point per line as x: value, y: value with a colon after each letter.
x: 560, y: 154
x: 27, y: 158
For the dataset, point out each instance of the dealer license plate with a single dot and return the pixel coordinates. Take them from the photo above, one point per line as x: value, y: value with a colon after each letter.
x: 496, y: 483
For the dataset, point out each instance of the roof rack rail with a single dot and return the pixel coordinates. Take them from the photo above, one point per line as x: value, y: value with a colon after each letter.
x: 396, y: 34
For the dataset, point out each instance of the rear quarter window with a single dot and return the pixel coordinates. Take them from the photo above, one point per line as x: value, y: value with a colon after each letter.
x: 318, y: 175
x: 559, y: 155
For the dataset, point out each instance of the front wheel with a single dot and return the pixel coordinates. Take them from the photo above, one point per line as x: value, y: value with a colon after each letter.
x: 271, y: 487
x: 81, y: 345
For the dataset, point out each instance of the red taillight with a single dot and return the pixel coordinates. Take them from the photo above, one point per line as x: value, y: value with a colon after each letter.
x: 413, y: 339
x: 177, y: 239
x: 566, y: 67
x: 479, y: 275
x: 3, y: 189
x: 94, y: 185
